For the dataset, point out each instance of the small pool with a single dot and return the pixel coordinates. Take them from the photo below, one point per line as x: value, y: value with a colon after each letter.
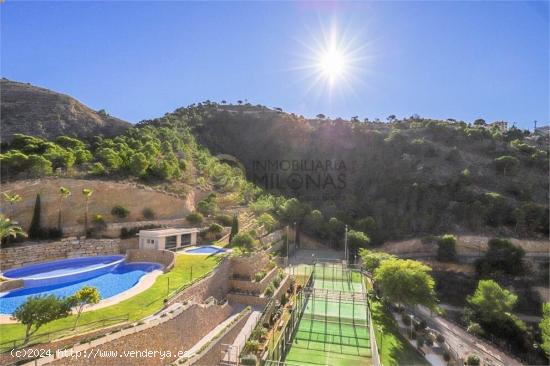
x: 205, y: 249
x: 111, y: 275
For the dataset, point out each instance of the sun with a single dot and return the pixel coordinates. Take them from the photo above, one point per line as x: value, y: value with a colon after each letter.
x: 332, y: 61
x: 332, y: 64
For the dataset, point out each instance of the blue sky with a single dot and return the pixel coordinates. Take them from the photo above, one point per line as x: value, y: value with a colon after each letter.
x: 139, y: 60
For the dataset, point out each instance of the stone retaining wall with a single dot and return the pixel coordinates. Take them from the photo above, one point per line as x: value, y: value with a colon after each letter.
x: 259, y: 301
x: 175, y: 335
x: 164, y: 257
x: 246, y: 267
x: 252, y: 286
x: 216, y: 285
x: 37, y: 252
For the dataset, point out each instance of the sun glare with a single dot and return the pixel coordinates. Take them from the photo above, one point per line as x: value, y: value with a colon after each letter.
x: 332, y: 64
x: 333, y: 60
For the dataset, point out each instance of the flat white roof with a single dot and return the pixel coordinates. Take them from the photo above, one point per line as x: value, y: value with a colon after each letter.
x: 159, y: 233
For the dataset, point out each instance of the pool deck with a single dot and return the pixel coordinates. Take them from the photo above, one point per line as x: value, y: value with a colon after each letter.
x: 143, y: 284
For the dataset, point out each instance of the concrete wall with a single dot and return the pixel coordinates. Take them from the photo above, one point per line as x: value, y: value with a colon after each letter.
x: 164, y: 257
x: 259, y: 301
x: 48, y: 251
x: 252, y: 286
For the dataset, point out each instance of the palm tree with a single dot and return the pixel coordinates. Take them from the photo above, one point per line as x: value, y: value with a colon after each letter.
x: 87, y: 194
x: 8, y: 229
x: 63, y: 193
x: 12, y: 198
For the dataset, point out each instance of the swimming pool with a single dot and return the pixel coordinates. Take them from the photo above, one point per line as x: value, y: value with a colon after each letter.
x: 109, y: 274
x: 205, y: 249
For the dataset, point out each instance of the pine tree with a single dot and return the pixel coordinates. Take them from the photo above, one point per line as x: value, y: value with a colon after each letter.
x: 35, y: 230
x: 234, y: 228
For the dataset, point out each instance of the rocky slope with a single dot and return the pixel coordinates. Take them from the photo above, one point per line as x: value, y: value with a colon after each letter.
x: 32, y: 110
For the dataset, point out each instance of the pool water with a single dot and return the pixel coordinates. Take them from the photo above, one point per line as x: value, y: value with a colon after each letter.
x: 118, y: 279
x: 207, y: 249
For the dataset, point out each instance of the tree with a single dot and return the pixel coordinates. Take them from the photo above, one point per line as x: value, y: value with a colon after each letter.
x: 372, y: 259
x: 391, y: 118
x: 356, y: 240
x: 38, y: 166
x: 267, y: 221
x: 138, y: 164
x: 87, y: 295
x: 245, y: 241
x: 446, y: 248
x: 506, y: 164
x: 35, y: 230
x: 12, y: 199
x: 321, y: 116
x: 544, y: 327
x: 479, y: 122
x: 502, y: 256
x: 234, y: 227
x: 9, y: 229
x: 87, y: 193
x: 40, y: 310
x: 336, y: 229
x: 490, y: 302
x: 63, y: 194
x: 405, y: 281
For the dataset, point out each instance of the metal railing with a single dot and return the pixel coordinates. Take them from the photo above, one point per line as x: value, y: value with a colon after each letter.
x: 50, y: 336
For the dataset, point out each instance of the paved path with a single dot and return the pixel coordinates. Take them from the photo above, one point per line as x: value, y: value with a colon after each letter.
x: 464, y: 343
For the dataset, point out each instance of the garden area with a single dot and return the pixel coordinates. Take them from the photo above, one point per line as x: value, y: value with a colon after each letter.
x: 187, y: 269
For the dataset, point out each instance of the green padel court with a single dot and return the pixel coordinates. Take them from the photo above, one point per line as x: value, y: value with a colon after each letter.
x: 333, y: 329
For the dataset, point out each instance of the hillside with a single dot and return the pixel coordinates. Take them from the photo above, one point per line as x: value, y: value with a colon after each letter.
x: 32, y: 110
x: 406, y: 178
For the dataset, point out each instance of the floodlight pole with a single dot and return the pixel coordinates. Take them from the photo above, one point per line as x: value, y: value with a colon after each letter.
x: 346, y: 244
x: 287, y: 245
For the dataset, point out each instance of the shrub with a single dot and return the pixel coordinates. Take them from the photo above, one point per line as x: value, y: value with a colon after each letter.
x: 473, y: 360
x: 276, y: 282
x: 249, y: 360
x: 224, y: 219
x: 195, y: 218
x: 440, y: 339
x: 215, y: 229
x: 148, y: 213
x: 269, y: 290
x: 259, y: 276
x: 120, y: 211
x: 446, y: 356
x: 244, y: 240
x: 253, y: 345
x: 446, y: 248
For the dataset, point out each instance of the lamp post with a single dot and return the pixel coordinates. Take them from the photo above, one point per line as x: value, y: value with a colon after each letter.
x: 346, y: 244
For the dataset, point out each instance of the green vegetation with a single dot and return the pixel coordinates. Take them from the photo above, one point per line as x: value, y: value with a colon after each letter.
x: 12, y: 199
x: 406, y: 282
x: 40, y: 310
x: 544, y: 327
x: 137, y: 307
x: 87, y: 193
x: 491, y: 306
x: 371, y: 259
x: 64, y: 193
x: 9, y: 230
x: 356, y: 241
x: 234, y: 228
x: 148, y: 213
x: 35, y: 229
x: 446, y: 248
x: 501, y: 257
x: 195, y: 218
x: 85, y: 296
x: 120, y: 212
x: 244, y: 241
